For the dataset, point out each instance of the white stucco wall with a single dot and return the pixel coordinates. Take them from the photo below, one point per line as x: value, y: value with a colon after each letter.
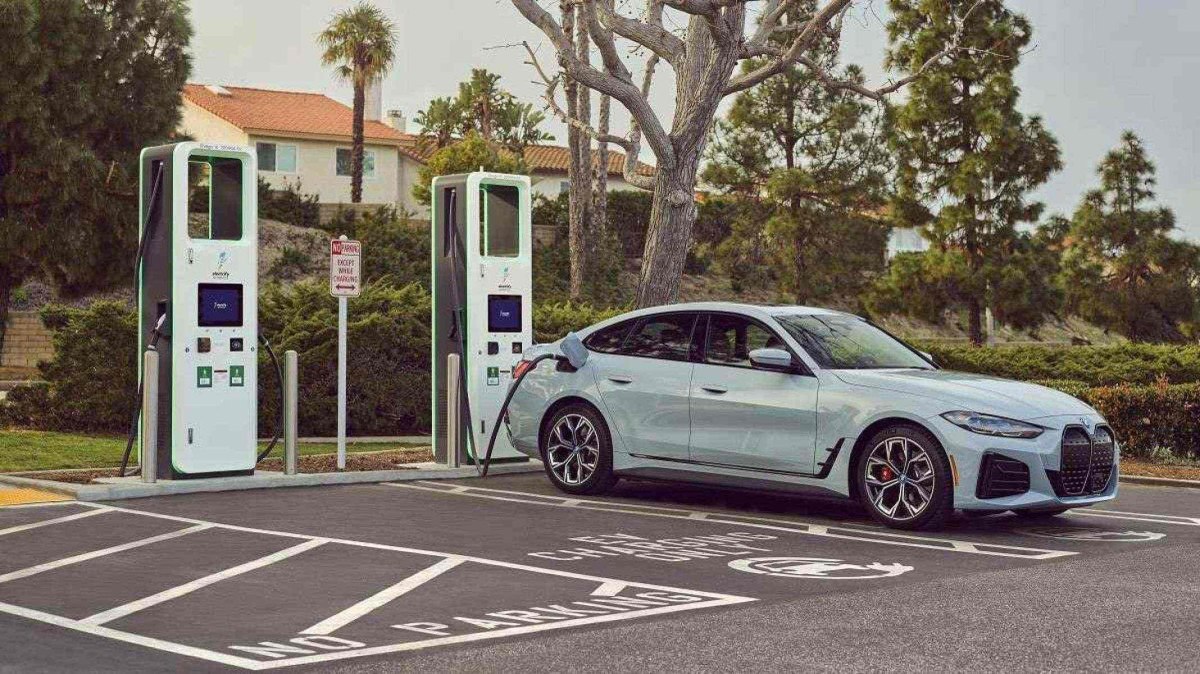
x: 409, y: 175
x: 316, y: 171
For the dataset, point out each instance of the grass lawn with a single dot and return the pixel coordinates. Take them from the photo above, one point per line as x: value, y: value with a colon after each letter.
x: 39, y: 450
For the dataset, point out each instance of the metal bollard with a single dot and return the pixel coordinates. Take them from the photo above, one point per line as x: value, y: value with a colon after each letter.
x: 453, y: 409
x: 291, y: 404
x: 148, y: 456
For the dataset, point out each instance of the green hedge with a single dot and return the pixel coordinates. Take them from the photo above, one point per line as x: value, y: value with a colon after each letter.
x: 1092, y: 365
x: 90, y: 383
x: 1148, y: 420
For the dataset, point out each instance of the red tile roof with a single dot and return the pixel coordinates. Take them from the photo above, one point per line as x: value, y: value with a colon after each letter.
x: 285, y: 112
x: 539, y: 158
x: 307, y: 114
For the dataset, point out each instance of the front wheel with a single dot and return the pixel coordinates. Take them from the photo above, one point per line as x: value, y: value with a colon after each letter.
x: 904, y: 479
x: 577, y: 450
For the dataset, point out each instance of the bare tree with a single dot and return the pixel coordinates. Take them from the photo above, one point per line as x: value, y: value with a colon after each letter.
x: 705, y: 55
x: 579, y: 144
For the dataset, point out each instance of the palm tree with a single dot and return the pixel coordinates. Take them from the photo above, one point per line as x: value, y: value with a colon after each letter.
x: 360, y: 43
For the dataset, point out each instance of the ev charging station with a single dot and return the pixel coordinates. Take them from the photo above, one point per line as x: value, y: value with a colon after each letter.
x: 198, y: 305
x: 482, y: 268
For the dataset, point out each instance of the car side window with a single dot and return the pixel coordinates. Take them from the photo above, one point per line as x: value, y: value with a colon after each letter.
x: 609, y: 340
x: 731, y: 339
x: 666, y: 337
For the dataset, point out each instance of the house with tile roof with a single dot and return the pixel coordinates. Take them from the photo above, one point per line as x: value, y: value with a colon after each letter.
x: 304, y: 138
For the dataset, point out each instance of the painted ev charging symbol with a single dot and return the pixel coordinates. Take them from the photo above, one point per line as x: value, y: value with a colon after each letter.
x: 1085, y: 534
x: 815, y: 567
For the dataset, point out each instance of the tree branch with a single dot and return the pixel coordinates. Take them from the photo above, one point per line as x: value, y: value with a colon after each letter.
x: 630, y: 145
x: 835, y: 84
x: 650, y: 34
x: 814, y: 27
x: 619, y: 85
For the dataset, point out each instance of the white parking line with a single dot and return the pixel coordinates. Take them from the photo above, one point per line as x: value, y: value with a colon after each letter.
x: 67, y: 561
x: 791, y: 526
x: 381, y: 598
x: 187, y: 588
x: 118, y: 635
x: 680, y: 600
x: 1138, y: 517
x: 46, y: 523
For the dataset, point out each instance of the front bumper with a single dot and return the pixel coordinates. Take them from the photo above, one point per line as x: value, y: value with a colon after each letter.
x: 1043, y: 456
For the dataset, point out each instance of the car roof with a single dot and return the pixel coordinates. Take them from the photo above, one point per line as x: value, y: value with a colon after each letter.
x: 755, y: 310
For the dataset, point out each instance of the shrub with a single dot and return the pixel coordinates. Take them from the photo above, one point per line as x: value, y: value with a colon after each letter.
x: 553, y: 321
x: 288, y: 204
x: 1094, y: 365
x: 90, y: 384
x: 1148, y: 419
x: 387, y: 366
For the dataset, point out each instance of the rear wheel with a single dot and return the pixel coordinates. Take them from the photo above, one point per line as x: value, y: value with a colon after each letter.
x: 904, y: 479
x: 577, y: 450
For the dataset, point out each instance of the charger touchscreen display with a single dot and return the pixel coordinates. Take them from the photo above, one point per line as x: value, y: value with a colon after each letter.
x: 220, y: 305
x: 504, y: 313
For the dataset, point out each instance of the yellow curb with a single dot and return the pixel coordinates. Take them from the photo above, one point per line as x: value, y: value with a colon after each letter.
x: 20, y: 496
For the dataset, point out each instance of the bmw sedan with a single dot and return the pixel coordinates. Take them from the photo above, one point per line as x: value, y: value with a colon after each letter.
x: 798, y: 398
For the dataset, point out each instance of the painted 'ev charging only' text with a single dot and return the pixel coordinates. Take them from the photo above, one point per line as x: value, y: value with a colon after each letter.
x: 680, y: 549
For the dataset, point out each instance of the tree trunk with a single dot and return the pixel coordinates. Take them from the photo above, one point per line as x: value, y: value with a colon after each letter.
x: 600, y: 178
x: 578, y: 173
x: 5, y: 297
x: 672, y: 216
x: 356, y: 147
x: 974, y: 323
x: 583, y: 234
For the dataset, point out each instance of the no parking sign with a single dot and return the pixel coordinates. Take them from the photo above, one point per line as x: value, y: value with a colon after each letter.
x: 345, y: 268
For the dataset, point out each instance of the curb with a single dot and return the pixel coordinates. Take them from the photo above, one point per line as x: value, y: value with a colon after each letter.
x: 262, y: 480
x: 1160, y: 481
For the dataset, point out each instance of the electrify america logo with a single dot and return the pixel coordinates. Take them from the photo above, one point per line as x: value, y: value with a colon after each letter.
x: 222, y: 259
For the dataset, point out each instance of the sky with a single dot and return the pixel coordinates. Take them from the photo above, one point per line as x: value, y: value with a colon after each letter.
x: 1097, y: 67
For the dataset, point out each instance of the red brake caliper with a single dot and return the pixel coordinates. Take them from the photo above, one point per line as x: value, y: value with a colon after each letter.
x: 886, y: 474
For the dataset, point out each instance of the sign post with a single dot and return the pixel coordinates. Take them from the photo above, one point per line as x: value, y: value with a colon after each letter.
x: 345, y: 280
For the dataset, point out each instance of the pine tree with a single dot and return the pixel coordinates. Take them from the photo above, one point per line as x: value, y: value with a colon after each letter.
x: 84, y: 85
x: 1121, y: 269
x: 809, y: 166
x: 967, y: 157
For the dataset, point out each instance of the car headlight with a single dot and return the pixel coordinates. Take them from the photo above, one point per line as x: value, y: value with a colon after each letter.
x: 988, y: 424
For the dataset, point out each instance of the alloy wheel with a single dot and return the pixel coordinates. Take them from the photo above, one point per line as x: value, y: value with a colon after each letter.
x: 574, y: 449
x: 900, y: 478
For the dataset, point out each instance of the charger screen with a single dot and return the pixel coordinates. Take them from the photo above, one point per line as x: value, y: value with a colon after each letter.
x: 220, y: 305
x: 504, y: 313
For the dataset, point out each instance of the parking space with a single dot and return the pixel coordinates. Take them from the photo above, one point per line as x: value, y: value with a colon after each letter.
x: 393, y: 572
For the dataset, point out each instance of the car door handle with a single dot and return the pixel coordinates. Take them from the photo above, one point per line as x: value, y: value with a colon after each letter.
x: 620, y: 380
x: 715, y: 389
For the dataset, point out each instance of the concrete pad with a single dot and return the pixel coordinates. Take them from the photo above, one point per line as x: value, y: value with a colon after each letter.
x: 118, y: 488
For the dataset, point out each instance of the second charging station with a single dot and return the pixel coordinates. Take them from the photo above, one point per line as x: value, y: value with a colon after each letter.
x: 482, y: 281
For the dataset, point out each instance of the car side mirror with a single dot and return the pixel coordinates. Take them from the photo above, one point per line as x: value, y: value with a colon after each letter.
x: 771, y: 359
x: 928, y: 356
x: 572, y: 347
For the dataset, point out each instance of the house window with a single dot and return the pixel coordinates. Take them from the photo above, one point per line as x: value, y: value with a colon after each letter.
x: 564, y: 187
x: 343, y: 162
x: 276, y: 157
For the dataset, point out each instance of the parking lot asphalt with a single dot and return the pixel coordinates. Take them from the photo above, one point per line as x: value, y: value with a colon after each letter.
x: 507, y: 573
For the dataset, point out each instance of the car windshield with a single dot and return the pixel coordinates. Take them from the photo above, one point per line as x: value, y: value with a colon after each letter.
x: 839, y: 342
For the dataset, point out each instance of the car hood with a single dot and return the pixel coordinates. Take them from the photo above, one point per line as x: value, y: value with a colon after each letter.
x: 971, y: 392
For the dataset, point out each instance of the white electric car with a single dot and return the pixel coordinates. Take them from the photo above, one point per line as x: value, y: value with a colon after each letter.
x: 796, y: 398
